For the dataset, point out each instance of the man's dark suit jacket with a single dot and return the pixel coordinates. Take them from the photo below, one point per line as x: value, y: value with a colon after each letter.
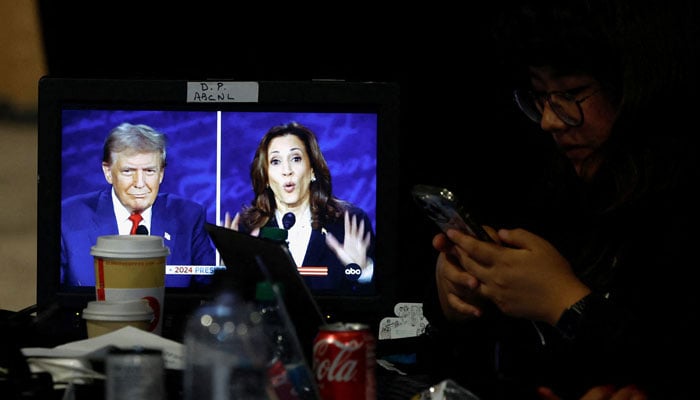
x: 179, y: 221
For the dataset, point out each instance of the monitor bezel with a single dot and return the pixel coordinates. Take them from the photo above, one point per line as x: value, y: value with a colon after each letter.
x: 56, y: 92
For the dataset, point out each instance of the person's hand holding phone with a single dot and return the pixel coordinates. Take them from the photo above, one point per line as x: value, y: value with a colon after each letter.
x: 457, y: 289
x: 526, y: 277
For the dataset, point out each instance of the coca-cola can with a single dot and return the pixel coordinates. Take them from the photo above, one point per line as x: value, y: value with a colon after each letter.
x: 344, y: 360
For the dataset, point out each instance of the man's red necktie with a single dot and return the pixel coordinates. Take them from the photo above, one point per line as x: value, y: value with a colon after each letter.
x: 135, y: 219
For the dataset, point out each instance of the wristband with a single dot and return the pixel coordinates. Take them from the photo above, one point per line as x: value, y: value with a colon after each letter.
x: 571, y: 318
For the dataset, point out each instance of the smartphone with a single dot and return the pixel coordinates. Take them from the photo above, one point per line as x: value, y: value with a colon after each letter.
x: 443, y: 207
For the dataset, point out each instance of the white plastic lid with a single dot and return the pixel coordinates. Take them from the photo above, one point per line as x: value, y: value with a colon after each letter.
x: 123, y: 310
x: 129, y: 246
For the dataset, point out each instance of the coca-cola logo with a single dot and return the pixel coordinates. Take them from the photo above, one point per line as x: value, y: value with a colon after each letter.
x: 334, y: 362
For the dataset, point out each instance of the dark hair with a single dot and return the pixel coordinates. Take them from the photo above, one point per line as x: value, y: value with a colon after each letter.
x: 134, y: 138
x: 649, y: 148
x: 568, y: 36
x: 324, y: 206
x: 644, y: 55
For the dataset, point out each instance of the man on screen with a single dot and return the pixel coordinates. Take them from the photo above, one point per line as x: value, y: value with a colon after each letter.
x: 133, y: 162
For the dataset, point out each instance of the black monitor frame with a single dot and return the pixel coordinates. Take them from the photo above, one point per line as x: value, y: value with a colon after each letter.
x: 56, y: 93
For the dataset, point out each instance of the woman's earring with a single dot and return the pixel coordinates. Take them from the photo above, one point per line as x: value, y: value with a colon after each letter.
x: 313, y: 178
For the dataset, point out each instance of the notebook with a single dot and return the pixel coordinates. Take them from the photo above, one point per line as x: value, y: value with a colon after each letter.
x: 251, y: 259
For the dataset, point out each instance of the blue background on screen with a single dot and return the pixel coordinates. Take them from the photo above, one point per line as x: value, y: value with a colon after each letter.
x: 348, y: 142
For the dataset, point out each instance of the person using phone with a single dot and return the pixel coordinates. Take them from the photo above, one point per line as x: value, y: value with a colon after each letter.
x: 592, y: 295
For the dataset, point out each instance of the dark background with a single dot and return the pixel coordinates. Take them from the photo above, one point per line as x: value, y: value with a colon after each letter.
x: 459, y: 126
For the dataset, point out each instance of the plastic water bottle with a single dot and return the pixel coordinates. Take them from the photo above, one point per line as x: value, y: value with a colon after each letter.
x: 289, y: 373
x: 226, y: 351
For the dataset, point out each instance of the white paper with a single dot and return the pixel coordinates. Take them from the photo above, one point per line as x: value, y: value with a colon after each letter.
x: 124, y: 338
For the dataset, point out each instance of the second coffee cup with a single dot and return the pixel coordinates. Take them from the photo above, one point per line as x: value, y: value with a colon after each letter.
x: 107, y: 316
x: 131, y: 267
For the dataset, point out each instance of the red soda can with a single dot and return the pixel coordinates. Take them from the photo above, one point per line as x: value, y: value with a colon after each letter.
x: 343, y: 362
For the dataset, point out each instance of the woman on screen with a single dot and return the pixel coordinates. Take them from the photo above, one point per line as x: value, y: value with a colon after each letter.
x: 331, y: 240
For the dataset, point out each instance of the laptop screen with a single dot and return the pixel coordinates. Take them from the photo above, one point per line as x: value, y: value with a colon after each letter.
x: 250, y: 260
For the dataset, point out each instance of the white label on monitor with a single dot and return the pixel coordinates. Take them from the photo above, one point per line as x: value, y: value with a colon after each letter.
x: 222, y: 92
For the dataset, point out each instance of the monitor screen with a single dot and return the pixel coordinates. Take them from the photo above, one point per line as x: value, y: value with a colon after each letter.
x: 212, y: 131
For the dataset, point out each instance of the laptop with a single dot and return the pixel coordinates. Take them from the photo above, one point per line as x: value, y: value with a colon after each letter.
x: 251, y: 259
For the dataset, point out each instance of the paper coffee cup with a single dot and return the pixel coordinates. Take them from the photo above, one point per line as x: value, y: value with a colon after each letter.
x: 131, y: 267
x: 107, y: 316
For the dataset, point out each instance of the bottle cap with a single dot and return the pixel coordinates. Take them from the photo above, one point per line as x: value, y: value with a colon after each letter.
x: 266, y: 291
x: 274, y: 234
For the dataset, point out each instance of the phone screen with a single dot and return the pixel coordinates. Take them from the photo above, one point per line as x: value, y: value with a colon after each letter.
x: 443, y: 207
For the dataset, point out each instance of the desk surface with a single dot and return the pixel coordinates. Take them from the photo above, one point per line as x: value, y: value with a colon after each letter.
x: 390, y: 386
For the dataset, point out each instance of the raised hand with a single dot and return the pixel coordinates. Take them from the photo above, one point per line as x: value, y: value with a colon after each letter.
x: 354, y: 246
x: 233, y: 223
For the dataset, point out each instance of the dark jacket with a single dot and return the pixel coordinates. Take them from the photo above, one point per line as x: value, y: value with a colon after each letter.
x: 179, y: 221
x: 318, y: 254
x: 640, y: 326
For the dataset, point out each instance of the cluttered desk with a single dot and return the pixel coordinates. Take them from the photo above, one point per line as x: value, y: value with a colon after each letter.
x: 90, y: 368
x: 233, y: 346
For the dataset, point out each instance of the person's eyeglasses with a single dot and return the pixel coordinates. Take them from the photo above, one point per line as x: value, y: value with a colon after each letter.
x: 564, y: 104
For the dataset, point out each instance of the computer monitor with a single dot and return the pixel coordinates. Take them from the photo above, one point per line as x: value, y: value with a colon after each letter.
x: 212, y: 130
